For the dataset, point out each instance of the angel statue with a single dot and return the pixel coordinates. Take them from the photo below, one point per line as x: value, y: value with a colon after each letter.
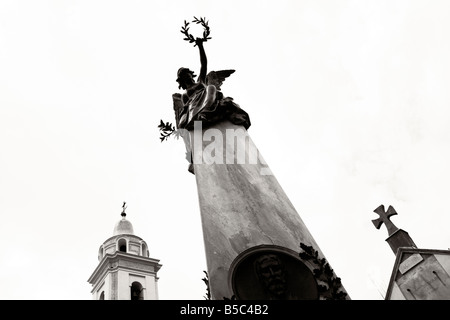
x: 203, y: 99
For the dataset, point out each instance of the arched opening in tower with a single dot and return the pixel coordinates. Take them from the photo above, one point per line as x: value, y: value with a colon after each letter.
x: 122, y: 244
x: 144, y: 250
x: 137, y: 291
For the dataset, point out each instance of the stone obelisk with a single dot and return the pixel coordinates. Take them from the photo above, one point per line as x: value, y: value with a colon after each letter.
x: 252, y: 233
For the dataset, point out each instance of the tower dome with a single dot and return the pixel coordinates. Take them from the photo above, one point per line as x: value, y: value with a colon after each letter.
x: 123, y: 227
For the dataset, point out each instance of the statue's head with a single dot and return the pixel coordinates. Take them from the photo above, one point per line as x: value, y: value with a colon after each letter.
x: 184, y: 76
x: 272, y: 274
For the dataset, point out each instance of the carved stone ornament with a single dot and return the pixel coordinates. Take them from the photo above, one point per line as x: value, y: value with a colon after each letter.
x: 272, y: 273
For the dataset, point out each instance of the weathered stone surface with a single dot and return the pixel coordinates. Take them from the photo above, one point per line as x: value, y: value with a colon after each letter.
x: 242, y: 205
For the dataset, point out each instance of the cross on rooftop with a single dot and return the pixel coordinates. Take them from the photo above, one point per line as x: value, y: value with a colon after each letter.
x: 384, y: 217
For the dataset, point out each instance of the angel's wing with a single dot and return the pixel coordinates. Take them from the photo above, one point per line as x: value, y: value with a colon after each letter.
x: 216, y: 78
x: 177, y: 107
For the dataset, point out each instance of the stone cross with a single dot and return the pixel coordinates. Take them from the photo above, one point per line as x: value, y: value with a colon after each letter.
x: 384, y: 217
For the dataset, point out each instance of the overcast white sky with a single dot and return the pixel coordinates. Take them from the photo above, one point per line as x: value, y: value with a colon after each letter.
x: 349, y: 103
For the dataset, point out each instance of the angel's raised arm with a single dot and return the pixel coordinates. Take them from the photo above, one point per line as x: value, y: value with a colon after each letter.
x: 203, y: 61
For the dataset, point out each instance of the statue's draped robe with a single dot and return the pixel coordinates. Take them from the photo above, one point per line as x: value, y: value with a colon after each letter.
x: 199, y: 108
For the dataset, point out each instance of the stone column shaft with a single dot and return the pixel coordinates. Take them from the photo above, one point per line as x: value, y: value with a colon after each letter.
x: 241, y: 202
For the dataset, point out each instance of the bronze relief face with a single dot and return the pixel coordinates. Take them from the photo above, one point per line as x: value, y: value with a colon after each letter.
x: 272, y: 273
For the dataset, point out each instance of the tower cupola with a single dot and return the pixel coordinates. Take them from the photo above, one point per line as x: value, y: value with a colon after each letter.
x: 125, y: 269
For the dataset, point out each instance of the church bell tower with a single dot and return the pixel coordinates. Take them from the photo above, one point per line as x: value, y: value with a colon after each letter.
x: 125, y: 270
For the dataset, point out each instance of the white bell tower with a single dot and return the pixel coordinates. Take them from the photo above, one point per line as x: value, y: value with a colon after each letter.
x: 125, y: 270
